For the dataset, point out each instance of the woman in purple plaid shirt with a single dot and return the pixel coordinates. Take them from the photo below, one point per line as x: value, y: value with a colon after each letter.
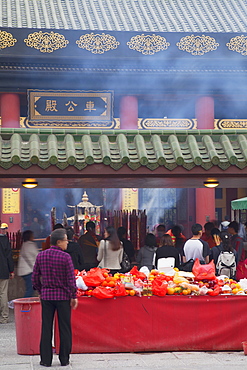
x: 53, y: 277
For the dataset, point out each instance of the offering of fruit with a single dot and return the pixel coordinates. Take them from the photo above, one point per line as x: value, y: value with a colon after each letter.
x: 137, y: 284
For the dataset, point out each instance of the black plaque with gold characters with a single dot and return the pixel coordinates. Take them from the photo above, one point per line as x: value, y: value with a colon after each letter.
x: 79, y: 109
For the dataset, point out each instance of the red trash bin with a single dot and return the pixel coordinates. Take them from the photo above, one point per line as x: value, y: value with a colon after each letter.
x: 27, y: 325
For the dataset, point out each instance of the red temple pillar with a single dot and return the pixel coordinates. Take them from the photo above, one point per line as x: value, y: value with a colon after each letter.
x: 205, y: 205
x: 129, y: 113
x: 205, y: 113
x: 10, y: 110
x: 10, y: 117
x: 205, y: 198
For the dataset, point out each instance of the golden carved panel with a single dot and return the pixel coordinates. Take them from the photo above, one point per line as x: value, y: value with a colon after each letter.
x: 149, y: 44
x: 6, y: 40
x: 197, y: 45
x: 97, y: 43
x: 230, y: 124
x: 238, y: 44
x: 166, y: 123
x: 46, y: 42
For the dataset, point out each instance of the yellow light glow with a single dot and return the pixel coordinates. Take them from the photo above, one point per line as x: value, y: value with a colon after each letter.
x: 30, y: 183
x: 211, y: 183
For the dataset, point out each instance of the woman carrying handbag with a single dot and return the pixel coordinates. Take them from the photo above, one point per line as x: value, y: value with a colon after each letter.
x: 110, y: 253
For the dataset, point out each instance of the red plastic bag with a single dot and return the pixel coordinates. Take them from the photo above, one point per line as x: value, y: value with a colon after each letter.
x: 102, y: 292
x: 159, y: 286
x: 120, y: 291
x: 162, y: 277
x: 138, y: 274
x: 94, y: 277
x: 204, y: 272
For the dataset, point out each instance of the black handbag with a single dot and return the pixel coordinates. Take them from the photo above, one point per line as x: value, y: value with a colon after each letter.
x: 187, y: 266
x: 125, y: 264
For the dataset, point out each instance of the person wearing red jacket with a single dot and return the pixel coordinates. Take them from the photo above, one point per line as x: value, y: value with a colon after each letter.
x: 206, y: 236
x: 176, y: 233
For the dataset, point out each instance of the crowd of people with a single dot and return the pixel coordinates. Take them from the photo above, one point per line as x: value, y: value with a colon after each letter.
x: 89, y: 250
x: 51, y: 272
x: 220, y: 244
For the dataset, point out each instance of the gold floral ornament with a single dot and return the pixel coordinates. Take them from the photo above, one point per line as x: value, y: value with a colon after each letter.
x: 46, y: 42
x: 149, y: 44
x: 238, y: 44
x: 197, y: 45
x: 6, y: 40
x: 97, y: 43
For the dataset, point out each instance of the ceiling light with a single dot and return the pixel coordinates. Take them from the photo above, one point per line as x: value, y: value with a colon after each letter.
x: 30, y: 183
x: 211, y: 183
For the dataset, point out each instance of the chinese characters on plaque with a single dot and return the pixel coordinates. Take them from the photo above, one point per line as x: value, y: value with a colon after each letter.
x: 129, y: 199
x: 10, y: 200
x: 70, y: 109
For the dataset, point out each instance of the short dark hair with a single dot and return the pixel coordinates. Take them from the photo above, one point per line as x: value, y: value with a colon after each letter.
x: 209, y: 226
x: 161, y: 227
x: 176, y: 230
x: 215, y: 231
x: 27, y: 235
x: 56, y: 235
x: 150, y: 240
x: 58, y: 226
x: 196, y: 228
x: 90, y: 225
x: 234, y: 225
x: 70, y: 232
x: 121, y: 231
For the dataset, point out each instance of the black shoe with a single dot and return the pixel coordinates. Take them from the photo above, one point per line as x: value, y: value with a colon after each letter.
x: 65, y: 363
x: 43, y: 364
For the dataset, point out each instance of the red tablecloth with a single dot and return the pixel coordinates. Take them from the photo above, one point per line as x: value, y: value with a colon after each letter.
x: 172, y: 323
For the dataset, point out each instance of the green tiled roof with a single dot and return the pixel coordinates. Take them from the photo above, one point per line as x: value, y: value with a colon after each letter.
x: 151, y: 149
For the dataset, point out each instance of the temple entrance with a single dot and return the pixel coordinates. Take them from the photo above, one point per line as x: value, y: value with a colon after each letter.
x: 167, y: 206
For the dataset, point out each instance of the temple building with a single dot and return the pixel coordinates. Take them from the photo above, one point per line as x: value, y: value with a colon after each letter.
x: 125, y: 94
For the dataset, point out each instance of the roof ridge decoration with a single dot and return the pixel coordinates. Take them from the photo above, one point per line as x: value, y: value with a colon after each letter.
x: 134, y: 149
x: 148, y: 44
x: 46, y: 42
x: 197, y: 45
x: 6, y: 40
x: 97, y: 43
x: 238, y: 44
x: 126, y: 15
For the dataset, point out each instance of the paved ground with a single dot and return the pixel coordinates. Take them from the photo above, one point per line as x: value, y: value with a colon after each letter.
x: 10, y: 360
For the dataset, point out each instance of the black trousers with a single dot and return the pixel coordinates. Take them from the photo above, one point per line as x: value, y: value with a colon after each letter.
x: 64, y: 322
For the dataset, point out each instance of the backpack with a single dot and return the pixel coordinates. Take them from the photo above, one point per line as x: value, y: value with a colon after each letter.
x: 226, y: 264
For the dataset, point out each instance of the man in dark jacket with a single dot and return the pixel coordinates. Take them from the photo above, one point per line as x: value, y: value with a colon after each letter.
x: 53, y: 278
x: 236, y: 241
x: 74, y: 250
x: 89, y: 244
x: 6, y: 273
